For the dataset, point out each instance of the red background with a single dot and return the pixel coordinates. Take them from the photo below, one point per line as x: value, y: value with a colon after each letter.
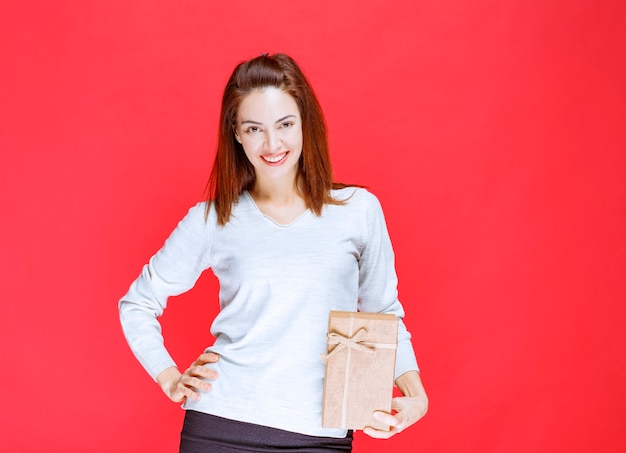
x: 493, y: 133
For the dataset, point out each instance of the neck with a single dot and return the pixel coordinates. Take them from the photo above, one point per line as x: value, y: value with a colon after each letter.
x: 283, y: 203
x: 276, y: 191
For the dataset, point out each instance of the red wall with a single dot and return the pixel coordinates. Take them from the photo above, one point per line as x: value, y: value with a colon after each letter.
x: 493, y: 133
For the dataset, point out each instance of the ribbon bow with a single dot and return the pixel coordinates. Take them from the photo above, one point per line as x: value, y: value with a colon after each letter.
x: 354, y: 342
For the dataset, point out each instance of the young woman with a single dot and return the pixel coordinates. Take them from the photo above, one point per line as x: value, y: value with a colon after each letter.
x: 288, y: 245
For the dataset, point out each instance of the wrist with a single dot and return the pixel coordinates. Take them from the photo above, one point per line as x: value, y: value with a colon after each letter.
x: 167, y: 378
x: 410, y: 384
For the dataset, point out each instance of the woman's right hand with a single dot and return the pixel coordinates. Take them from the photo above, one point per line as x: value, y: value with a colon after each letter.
x: 178, y: 387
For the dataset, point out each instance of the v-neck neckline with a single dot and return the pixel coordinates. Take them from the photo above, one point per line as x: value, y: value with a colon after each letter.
x: 270, y: 218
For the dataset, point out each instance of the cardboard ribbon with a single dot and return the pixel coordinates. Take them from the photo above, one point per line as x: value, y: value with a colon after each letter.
x: 354, y: 342
x: 342, y: 342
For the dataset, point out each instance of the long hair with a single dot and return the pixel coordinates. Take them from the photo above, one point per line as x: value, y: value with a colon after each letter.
x: 232, y: 172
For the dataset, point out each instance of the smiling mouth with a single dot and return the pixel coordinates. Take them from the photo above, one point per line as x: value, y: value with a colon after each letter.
x: 276, y: 158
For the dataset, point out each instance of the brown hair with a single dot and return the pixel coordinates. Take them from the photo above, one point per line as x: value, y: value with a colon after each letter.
x: 233, y: 173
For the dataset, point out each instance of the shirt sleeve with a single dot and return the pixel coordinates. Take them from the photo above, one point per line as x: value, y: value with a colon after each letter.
x: 378, y: 281
x: 174, y: 269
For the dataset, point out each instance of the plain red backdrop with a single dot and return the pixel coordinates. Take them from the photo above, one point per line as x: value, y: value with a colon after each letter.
x: 493, y: 133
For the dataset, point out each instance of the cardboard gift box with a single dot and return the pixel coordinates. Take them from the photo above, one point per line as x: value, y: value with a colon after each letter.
x: 360, y: 366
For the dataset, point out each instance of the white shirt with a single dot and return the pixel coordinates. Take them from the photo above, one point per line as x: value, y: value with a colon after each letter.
x: 278, y: 284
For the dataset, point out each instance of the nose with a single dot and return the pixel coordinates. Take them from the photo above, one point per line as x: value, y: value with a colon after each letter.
x: 273, y: 141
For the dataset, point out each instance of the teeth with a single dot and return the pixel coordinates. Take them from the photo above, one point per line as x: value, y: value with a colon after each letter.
x: 274, y: 159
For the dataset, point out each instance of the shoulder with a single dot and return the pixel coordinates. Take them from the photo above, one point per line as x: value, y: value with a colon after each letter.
x: 201, y: 216
x: 197, y: 212
x: 356, y: 208
x: 357, y: 198
x: 241, y: 208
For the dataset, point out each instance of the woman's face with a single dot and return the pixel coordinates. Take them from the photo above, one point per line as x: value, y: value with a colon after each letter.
x: 269, y: 128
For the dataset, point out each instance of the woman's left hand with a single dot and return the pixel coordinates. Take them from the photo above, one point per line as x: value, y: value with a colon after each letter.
x: 409, y: 408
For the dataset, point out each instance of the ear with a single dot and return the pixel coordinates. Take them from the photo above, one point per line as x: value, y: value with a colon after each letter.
x: 237, y: 136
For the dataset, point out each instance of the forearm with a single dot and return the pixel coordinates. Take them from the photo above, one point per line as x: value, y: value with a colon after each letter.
x: 410, y: 384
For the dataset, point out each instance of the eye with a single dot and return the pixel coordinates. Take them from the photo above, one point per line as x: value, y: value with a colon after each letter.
x: 252, y: 130
x: 287, y: 124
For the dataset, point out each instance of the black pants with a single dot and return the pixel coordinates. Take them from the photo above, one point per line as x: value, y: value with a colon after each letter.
x: 203, y: 433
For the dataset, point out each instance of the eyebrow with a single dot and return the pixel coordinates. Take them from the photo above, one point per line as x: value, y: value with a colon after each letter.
x: 280, y: 120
